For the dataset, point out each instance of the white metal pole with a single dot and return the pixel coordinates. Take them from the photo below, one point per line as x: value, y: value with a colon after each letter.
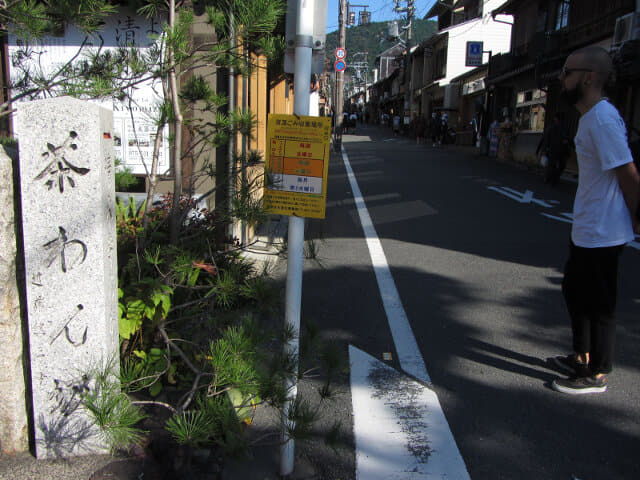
x: 301, y: 86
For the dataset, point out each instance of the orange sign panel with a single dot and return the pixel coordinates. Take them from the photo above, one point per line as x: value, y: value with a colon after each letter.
x: 296, y: 165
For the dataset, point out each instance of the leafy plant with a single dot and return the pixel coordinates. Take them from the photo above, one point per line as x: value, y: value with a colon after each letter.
x: 151, y: 301
x: 123, y: 176
x: 192, y: 427
x: 191, y: 309
x: 113, y: 410
x: 152, y: 366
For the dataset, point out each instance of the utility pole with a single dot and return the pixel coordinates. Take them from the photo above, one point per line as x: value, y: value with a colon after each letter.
x: 410, y: 10
x: 342, y: 36
x: 307, y: 20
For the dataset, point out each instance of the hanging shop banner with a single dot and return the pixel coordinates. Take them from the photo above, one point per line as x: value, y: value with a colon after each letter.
x: 297, y: 164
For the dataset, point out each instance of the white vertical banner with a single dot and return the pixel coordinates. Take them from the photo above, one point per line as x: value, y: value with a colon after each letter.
x: 134, y: 120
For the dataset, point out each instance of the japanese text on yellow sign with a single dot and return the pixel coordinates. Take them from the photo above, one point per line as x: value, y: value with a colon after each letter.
x: 297, y: 164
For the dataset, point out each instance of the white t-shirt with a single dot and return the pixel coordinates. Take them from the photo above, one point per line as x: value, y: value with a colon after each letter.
x: 600, y: 215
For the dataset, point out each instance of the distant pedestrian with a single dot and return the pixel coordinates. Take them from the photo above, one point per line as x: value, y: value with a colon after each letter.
x: 555, y: 145
x: 444, y: 129
x: 505, y: 134
x: 436, y: 127
x: 494, y: 139
x: 603, y: 223
x: 396, y: 124
x: 420, y: 129
x: 353, y: 120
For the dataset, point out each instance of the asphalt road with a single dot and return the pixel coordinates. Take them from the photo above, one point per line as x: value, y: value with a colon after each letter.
x: 476, y: 248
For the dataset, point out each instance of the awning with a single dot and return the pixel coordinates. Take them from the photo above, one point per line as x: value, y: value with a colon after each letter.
x: 474, y: 86
x: 512, y: 73
x: 504, y: 8
x: 438, y: 8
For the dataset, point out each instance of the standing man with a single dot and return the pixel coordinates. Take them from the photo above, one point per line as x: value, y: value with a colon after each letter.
x: 604, y: 206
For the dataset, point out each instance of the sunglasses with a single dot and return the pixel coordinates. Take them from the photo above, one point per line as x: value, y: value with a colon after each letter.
x: 568, y: 71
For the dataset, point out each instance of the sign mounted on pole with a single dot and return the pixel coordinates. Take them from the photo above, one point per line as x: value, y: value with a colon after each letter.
x: 297, y: 165
x: 474, y: 54
x: 340, y: 65
x: 340, y: 53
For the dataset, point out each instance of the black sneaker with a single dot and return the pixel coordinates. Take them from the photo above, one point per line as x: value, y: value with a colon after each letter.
x: 580, y: 385
x: 570, y: 365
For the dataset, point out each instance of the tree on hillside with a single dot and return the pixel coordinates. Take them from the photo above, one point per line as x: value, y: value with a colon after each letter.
x: 372, y: 38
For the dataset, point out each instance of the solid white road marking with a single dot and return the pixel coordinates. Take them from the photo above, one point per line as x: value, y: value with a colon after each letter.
x: 399, y: 426
x: 555, y: 217
x: 400, y: 429
x: 409, y: 354
x: 526, y: 197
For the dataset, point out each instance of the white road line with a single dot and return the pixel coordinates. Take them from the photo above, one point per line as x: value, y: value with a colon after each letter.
x: 400, y: 428
x: 406, y: 346
x: 401, y: 432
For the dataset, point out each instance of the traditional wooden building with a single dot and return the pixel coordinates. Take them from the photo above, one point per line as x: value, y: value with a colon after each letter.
x: 523, y: 83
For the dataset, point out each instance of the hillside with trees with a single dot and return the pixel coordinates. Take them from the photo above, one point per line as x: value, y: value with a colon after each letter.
x: 372, y: 39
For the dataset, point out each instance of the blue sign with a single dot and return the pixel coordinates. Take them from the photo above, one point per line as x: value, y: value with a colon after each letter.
x: 474, y: 54
x: 340, y: 66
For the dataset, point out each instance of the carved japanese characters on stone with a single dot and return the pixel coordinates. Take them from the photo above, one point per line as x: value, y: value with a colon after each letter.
x: 71, y: 252
x: 59, y: 168
x: 67, y: 333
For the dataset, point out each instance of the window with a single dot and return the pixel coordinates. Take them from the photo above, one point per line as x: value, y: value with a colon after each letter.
x: 530, y: 110
x: 440, y: 64
x: 542, y: 21
x: 562, y: 14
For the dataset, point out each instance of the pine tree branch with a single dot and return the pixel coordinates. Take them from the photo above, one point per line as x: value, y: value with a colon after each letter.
x: 156, y: 403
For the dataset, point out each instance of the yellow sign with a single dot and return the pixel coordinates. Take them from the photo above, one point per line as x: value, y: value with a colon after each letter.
x: 297, y: 165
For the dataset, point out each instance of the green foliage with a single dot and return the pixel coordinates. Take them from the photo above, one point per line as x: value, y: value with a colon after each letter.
x: 232, y: 358
x: 191, y: 311
x: 112, y: 410
x: 8, y: 142
x: 243, y: 404
x: 262, y: 293
x: 129, y: 220
x: 148, y: 300
x: 178, y: 40
x: 151, y: 366
x: 226, y: 290
x: 34, y: 18
x: 193, y: 428
x: 300, y: 417
x: 197, y: 88
x: 123, y: 176
x: 227, y: 430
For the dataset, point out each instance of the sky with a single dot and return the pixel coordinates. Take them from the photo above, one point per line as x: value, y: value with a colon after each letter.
x: 381, y: 10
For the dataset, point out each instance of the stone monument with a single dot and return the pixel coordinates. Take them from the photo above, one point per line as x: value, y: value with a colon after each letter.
x: 13, y: 408
x: 68, y: 202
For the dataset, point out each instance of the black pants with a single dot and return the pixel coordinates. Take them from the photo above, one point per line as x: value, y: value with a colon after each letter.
x: 590, y: 288
x: 555, y: 166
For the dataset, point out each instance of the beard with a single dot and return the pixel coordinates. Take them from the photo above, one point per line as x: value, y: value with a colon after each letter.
x: 572, y: 95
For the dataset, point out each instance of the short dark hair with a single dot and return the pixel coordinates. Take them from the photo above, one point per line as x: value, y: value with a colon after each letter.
x: 598, y: 60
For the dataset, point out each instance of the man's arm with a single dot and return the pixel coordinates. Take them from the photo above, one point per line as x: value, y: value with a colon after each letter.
x: 629, y: 181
